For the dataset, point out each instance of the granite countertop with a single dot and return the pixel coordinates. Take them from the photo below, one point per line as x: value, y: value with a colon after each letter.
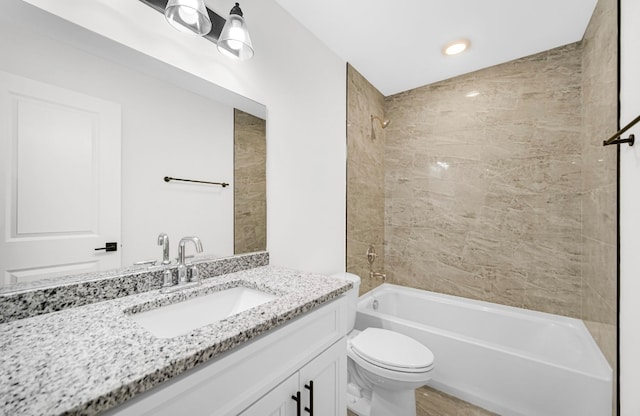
x: 90, y: 358
x: 24, y: 300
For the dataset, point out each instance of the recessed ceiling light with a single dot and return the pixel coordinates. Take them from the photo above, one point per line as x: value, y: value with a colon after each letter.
x: 456, y: 47
x: 472, y: 94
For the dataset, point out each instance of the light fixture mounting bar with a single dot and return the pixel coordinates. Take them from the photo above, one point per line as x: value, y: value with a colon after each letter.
x: 217, y: 21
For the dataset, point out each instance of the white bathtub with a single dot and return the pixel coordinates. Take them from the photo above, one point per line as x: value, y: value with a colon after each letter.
x: 508, y: 360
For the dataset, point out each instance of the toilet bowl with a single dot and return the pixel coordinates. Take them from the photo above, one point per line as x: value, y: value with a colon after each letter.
x: 384, y: 367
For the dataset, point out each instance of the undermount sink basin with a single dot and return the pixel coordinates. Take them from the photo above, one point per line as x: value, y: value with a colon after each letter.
x: 182, y: 317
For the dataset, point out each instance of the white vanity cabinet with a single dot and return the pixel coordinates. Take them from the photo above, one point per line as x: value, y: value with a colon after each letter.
x: 317, y: 389
x: 278, y: 402
x: 261, y: 376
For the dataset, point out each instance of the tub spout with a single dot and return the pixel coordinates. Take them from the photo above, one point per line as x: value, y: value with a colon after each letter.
x: 382, y: 276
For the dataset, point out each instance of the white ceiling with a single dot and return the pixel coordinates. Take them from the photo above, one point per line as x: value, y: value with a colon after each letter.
x: 396, y: 44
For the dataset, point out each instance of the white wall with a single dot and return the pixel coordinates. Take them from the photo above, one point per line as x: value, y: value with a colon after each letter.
x: 166, y: 131
x: 302, y: 84
x: 630, y: 213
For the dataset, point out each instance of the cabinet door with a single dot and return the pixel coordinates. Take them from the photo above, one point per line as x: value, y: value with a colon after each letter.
x: 278, y: 402
x: 328, y: 372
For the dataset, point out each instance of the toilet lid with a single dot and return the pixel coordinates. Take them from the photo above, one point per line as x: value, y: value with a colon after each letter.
x: 392, y: 350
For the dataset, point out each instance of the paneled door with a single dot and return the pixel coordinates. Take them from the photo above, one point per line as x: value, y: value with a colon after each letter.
x: 59, y: 181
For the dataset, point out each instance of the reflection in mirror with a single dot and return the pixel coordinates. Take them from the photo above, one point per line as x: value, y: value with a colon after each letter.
x: 63, y: 109
x: 250, y: 191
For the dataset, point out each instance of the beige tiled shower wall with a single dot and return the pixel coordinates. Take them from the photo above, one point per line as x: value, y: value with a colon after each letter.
x: 599, y: 176
x: 483, y: 184
x: 365, y: 177
x: 250, y: 200
x: 599, y: 109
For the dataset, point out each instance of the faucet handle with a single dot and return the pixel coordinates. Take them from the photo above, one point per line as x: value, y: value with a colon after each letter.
x: 167, y: 278
x: 195, y: 274
x: 163, y: 240
x: 371, y: 255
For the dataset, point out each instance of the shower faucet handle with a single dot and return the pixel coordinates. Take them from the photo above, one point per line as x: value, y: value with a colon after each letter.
x: 371, y: 255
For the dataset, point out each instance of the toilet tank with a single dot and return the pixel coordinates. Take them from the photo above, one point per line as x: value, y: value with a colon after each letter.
x: 352, y: 297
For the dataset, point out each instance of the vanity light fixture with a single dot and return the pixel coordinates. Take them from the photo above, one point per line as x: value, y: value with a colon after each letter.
x: 188, y: 16
x: 456, y: 47
x: 192, y: 16
x: 234, y: 40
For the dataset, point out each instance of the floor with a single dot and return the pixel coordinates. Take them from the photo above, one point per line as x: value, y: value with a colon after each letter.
x: 430, y: 402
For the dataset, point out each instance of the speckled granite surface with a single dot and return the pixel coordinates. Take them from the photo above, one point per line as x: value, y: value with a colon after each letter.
x: 87, y: 359
x: 31, y: 299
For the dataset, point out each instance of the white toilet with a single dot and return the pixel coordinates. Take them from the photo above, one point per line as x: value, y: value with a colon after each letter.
x: 384, y: 367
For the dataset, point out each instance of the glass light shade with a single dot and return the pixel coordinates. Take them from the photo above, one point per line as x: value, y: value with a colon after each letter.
x: 234, y: 40
x: 188, y: 16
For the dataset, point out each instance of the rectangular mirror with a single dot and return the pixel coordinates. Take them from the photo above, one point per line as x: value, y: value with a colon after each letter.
x: 87, y: 140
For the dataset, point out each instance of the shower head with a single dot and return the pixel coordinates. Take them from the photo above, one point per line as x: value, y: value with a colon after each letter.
x: 383, y: 123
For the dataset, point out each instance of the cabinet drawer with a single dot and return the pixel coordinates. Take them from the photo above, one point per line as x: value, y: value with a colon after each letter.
x: 229, y: 383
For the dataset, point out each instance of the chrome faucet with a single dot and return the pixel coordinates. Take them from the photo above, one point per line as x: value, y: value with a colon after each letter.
x: 163, y: 240
x: 182, y: 268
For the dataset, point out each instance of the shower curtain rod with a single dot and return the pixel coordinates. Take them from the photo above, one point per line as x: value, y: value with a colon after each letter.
x: 630, y: 139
